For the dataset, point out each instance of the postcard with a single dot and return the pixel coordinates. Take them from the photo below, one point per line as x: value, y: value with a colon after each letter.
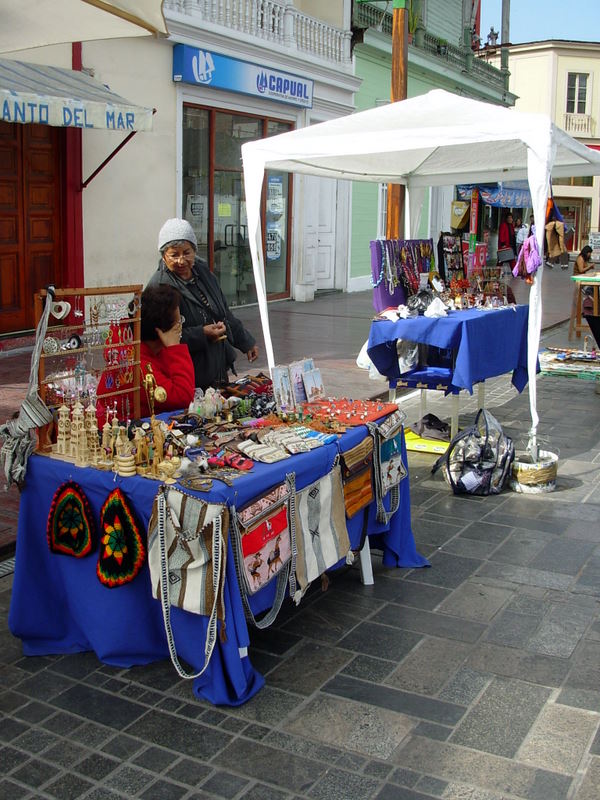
x: 297, y: 368
x: 282, y: 388
x: 313, y: 384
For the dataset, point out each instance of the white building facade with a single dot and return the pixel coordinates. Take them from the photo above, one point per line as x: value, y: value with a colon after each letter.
x: 228, y: 72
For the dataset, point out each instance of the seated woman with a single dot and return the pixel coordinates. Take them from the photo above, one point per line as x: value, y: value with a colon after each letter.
x: 161, y: 324
x: 161, y: 348
x: 583, y: 261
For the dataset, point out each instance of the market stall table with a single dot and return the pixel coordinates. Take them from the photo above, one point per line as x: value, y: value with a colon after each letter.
x: 58, y: 605
x: 485, y: 343
x: 576, y: 326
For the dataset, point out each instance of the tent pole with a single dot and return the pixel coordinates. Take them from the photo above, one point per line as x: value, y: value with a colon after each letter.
x: 395, y: 192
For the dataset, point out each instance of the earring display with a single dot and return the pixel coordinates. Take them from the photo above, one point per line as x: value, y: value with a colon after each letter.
x: 91, y: 353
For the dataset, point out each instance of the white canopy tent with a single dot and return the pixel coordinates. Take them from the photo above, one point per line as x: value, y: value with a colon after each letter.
x: 436, y: 139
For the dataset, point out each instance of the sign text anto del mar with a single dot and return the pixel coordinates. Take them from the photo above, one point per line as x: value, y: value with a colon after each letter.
x: 66, y: 115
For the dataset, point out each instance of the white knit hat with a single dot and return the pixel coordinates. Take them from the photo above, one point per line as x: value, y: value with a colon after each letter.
x: 176, y: 230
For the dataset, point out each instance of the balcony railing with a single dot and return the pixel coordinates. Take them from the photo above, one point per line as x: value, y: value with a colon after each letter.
x: 579, y: 124
x: 458, y: 58
x: 272, y: 20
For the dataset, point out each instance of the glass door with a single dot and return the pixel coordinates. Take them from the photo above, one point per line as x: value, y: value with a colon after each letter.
x: 214, y: 201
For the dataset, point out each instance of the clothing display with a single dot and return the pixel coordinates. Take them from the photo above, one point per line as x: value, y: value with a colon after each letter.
x: 202, y: 303
x: 555, y: 238
x: 450, y: 257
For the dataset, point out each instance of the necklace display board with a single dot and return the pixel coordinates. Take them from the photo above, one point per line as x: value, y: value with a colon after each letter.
x: 396, y: 265
x: 94, y: 334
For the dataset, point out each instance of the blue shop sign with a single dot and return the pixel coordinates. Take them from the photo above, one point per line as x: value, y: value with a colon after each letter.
x: 203, y: 67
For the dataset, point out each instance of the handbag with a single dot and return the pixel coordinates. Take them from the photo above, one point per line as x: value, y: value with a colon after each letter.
x: 388, y: 465
x: 392, y: 466
x: 187, y: 557
x: 478, y: 459
x: 264, y: 546
x: 321, y: 534
x: 17, y: 440
x: 357, y: 471
x: 505, y: 254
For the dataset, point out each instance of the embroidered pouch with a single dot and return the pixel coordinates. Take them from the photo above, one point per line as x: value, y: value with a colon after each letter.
x: 264, y: 547
x: 122, y: 549
x: 388, y: 466
x: 189, y: 536
x: 70, y: 528
x: 264, y: 535
x: 392, y: 465
x: 321, y: 533
x: 187, y: 557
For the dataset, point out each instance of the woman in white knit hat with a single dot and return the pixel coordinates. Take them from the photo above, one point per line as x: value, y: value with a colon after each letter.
x: 210, y: 330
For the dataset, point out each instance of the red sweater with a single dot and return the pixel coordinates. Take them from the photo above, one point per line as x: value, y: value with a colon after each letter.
x: 174, y: 371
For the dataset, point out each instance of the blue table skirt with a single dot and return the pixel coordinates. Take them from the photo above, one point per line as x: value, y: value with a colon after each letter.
x: 487, y: 343
x: 58, y: 605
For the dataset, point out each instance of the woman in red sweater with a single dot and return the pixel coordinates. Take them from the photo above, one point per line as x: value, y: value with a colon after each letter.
x: 161, y: 348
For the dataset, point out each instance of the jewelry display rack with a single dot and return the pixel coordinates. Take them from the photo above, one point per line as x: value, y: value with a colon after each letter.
x: 85, y: 320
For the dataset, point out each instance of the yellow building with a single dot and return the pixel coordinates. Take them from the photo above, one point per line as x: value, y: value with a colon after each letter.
x: 560, y: 78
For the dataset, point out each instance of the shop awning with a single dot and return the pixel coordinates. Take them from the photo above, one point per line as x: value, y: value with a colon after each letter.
x: 65, y: 98
x: 500, y: 195
x: 36, y: 23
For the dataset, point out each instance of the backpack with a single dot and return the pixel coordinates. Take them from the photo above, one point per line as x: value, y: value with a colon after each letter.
x: 478, y: 459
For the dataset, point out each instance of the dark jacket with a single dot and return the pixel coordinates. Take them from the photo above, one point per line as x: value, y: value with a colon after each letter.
x: 211, y: 359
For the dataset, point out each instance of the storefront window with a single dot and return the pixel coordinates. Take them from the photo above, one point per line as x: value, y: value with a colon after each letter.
x: 214, y: 200
x: 196, y: 164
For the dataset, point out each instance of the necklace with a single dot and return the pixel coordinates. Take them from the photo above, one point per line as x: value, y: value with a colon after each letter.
x: 379, y: 251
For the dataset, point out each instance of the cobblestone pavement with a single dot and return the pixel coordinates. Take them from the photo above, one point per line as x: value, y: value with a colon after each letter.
x: 475, y: 679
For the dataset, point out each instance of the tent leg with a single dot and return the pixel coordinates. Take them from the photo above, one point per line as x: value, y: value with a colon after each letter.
x: 481, y: 394
x: 366, y: 567
x: 454, y: 418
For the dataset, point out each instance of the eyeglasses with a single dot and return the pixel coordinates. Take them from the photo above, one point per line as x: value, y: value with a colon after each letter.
x: 186, y: 255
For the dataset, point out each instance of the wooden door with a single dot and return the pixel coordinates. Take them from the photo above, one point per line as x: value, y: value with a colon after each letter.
x: 30, y: 219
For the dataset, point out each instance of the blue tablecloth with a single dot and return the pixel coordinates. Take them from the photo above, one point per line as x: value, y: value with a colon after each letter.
x: 486, y: 344
x: 58, y: 604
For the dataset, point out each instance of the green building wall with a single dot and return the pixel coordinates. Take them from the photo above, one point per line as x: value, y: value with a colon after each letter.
x: 374, y: 69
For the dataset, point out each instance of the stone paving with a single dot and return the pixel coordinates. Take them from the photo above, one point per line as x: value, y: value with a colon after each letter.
x: 475, y: 679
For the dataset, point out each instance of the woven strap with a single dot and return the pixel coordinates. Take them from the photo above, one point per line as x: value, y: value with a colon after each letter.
x: 217, y: 555
x: 40, y: 335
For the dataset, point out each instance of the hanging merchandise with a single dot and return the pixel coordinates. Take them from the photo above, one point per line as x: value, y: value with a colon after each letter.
x: 70, y: 528
x: 528, y: 260
x: 187, y: 559
x: 459, y: 213
x: 17, y: 434
x: 396, y: 266
x: 122, y: 549
x: 450, y: 257
x: 264, y: 547
x: 321, y: 534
